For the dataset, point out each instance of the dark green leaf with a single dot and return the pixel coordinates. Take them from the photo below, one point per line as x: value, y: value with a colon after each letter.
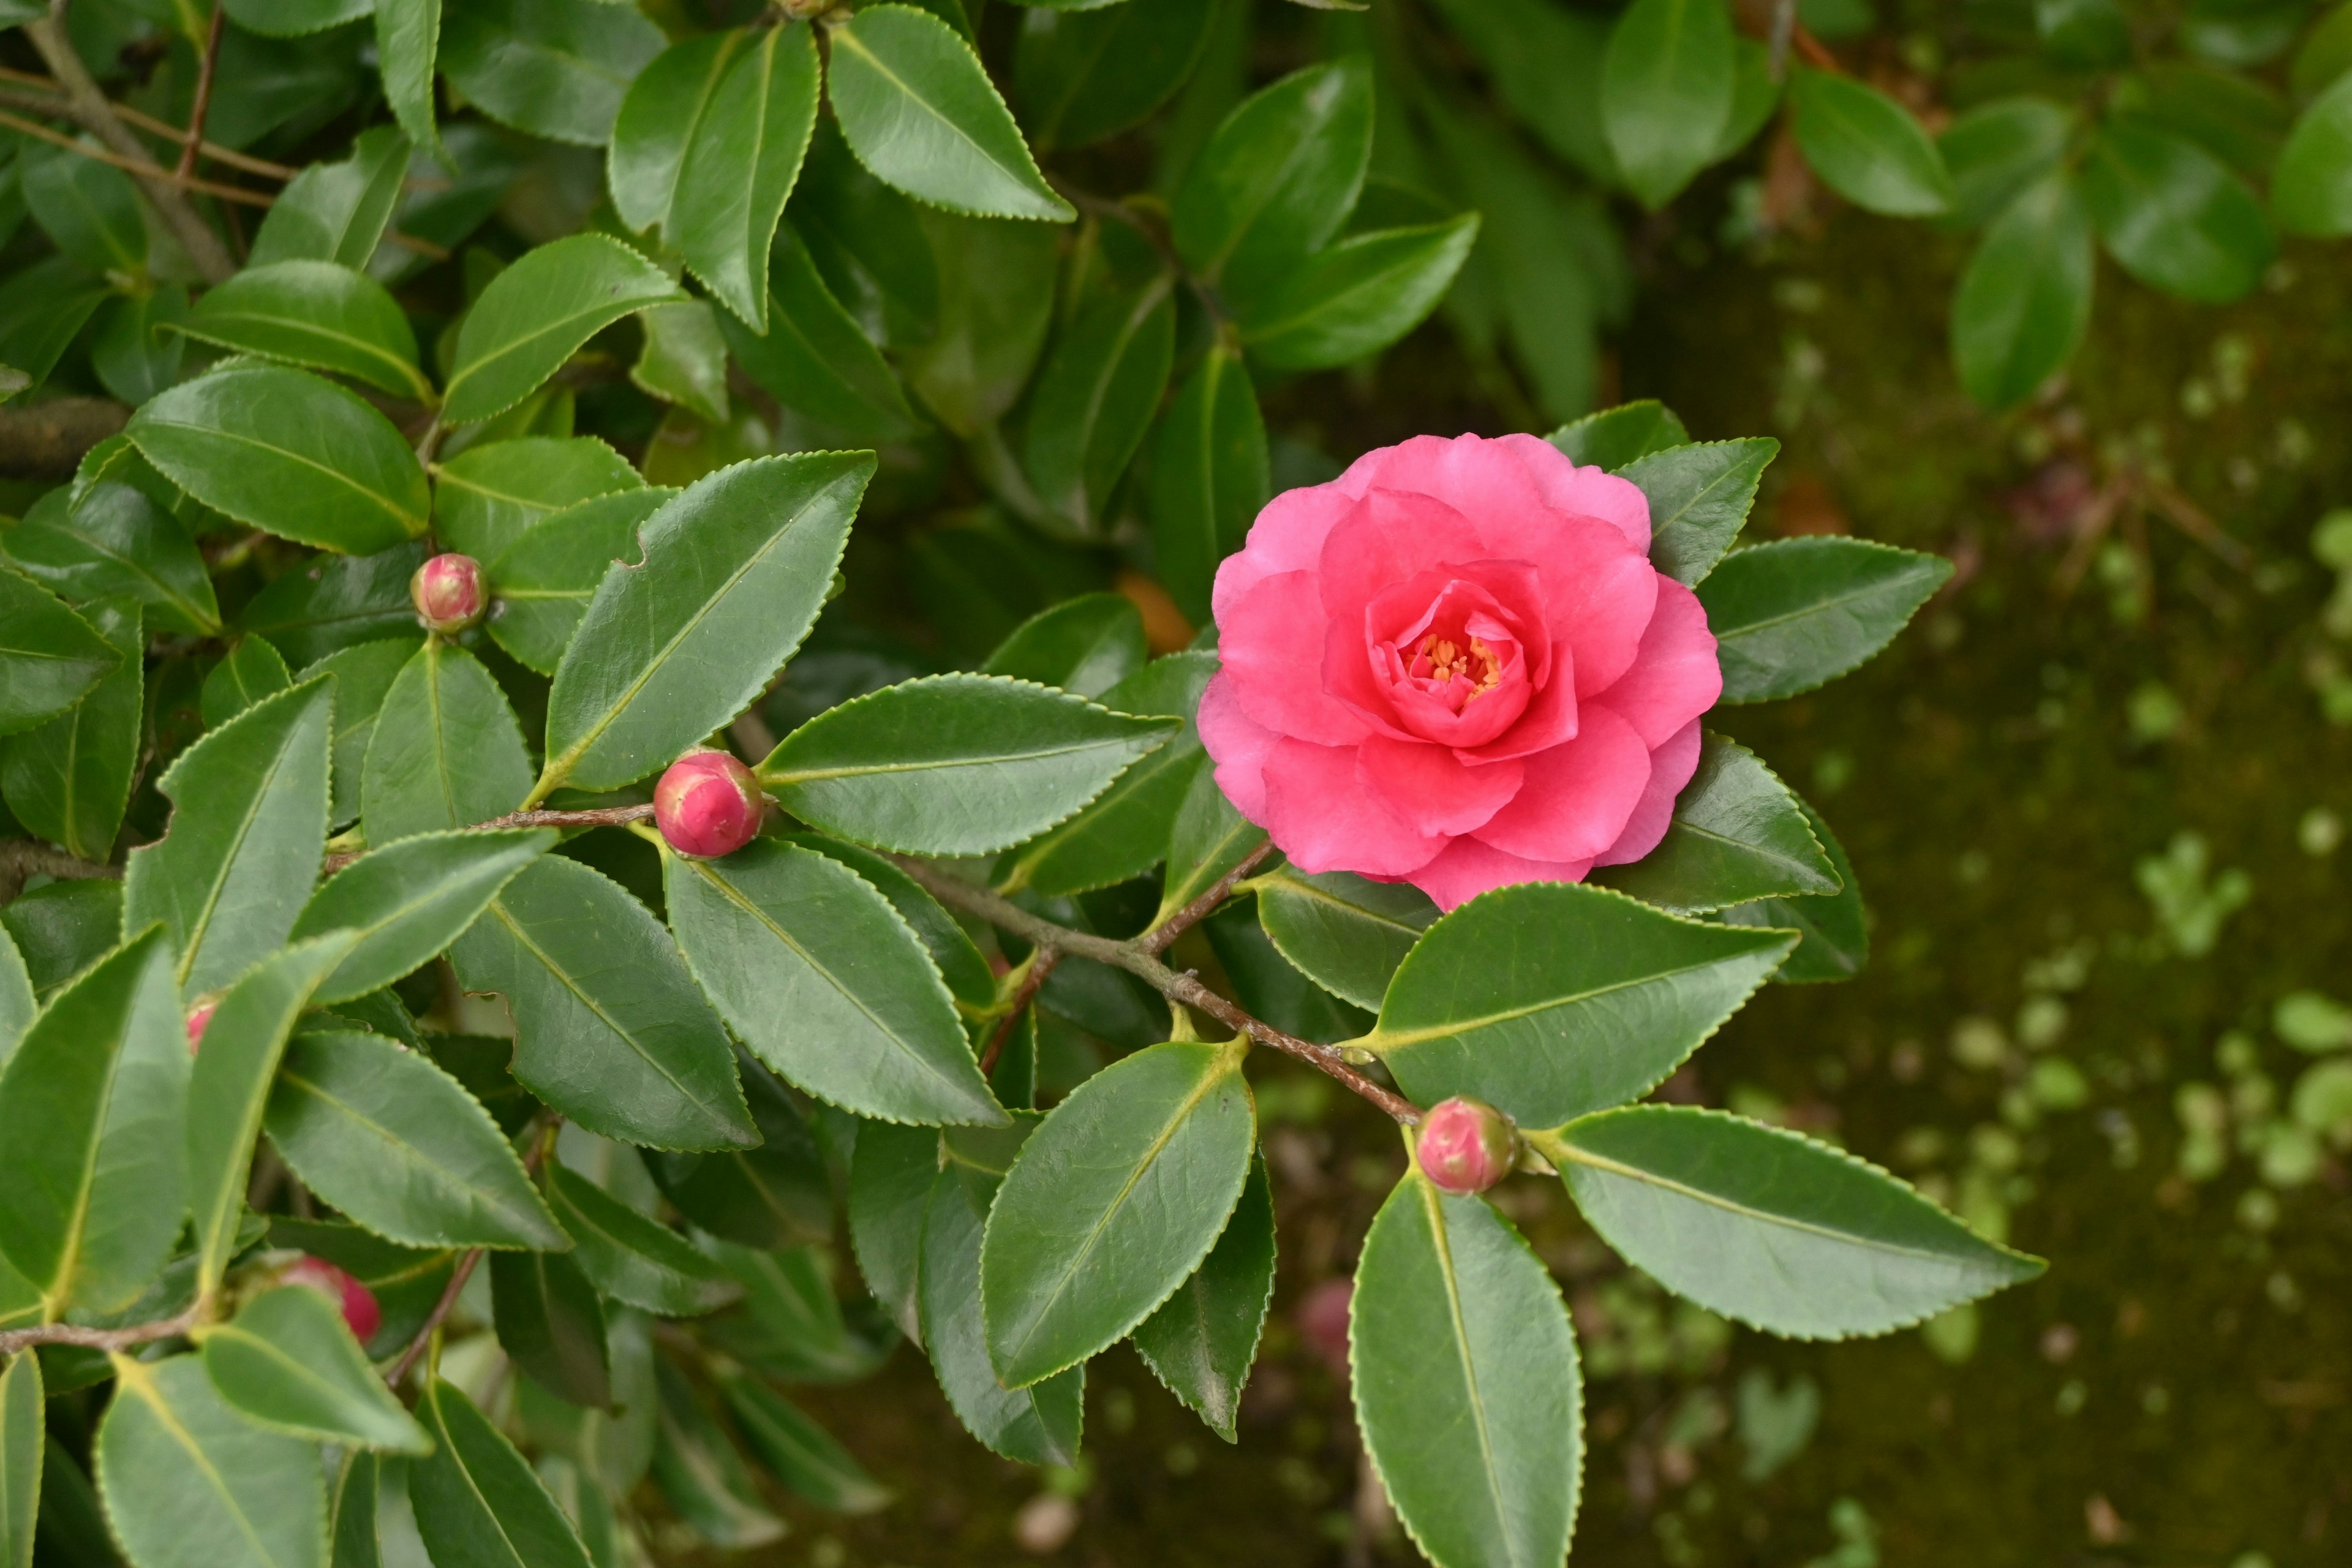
x: 68, y: 780
x: 406, y: 1282
x: 1203, y: 1339
x: 1209, y: 477
x: 813, y: 357
x: 137, y: 348
x: 1035, y: 1426
x: 446, y: 752
x: 353, y: 1512
x: 1666, y: 93
x: 1086, y: 645
x: 288, y: 452
x: 88, y: 209
x: 477, y: 1501
x: 2238, y: 121
x: 1550, y: 1000
x: 407, y: 901
x: 111, y: 540
x: 2174, y: 215
x: 1836, y: 933
x: 960, y: 963
x: 556, y: 68
x: 917, y: 109
x: 1208, y: 840
x: 337, y: 212
x: 254, y: 669
x: 683, y: 360
x: 392, y: 1142
x: 1792, y: 614
x: 1997, y: 149
x: 792, y: 1325
x: 1699, y: 496
x: 287, y: 1363
x: 2311, y: 189
x: 1545, y: 61
x: 543, y: 585
x: 778, y: 1195
x: 1095, y: 398
x: 954, y: 764
x: 1268, y: 985
x: 551, y: 1324
x: 63, y: 929
x: 656, y: 122
x: 337, y: 601
x: 1867, y: 148
x: 537, y: 313
x: 317, y: 313
x: 632, y: 1258
x: 488, y: 497
x: 798, y: 1452
x: 1083, y: 75
x: 995, y: 302
x: 1467, y: 1383
x: 49, y: 657
x: 1358, y: 296
x: 702, y: 1476
x: 1616, y: 436
x: 1770, y: 1228
x: 740, y: 164
x: 248, y: 829
x: 43, y: 308
x: 609, y: 1029
x: 2026, y: 297
x: 868, y: 242
x: 21, y: 1439
x: 890, y: 1179
x: 1737, y: 835
x: 1345, y: 933
x: 363, y: 675
x: 189, y: 1483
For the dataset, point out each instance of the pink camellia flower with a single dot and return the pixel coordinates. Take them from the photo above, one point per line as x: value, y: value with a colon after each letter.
x: 1465, y: 1146
x: 707, y: 803
x: 1454, y: 666
x: 355, y: 1300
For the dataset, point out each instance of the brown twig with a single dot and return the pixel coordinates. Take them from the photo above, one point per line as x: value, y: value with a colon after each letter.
x: 139, y: 166
x: 21, y: 858
x: 137, y: 1334
x: 47, y: 440
x: 600, y: 816
x: 1040, y: 966
x: 193, y: 142
x: 1157, y: 939
x: 540, y: 1144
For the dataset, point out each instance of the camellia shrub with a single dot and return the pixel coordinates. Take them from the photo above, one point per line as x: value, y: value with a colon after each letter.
x: 486, y: 915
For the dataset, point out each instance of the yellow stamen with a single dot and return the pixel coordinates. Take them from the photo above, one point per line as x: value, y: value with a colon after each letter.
x: 1477, y: 665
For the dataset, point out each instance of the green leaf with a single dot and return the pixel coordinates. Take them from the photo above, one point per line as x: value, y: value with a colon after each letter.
x: 407, y: 47
x: 683, y: 360
x: 1340, y: 930
x: 247, y: 832
x: 778, y: 1195
x: 797, y: 1451
x: 735, y: 570
x: 16, y: 1004
x: 338, y: 601
x: 49, y: 657
x: 1666, y: 93
x: 632, y: 1258
x: 1615, y: 438
x: 1086, y: 645
x: 1201, y: 1341
x: 537, y: 313
x: 2311, y: 188
x: 1467, y: 1388
x: 1114, y: 1200
x: 88, y: 209
x: 740, y: 165
x: 1792, y: 614
x: 42, y: 309
x: 363, y: 676
x: 1358, y: 296
x: 657, y: 120
x: 791, y: 1326
x: 1081, y: 75
x: 917, y: 109
x: 1867, y: 148
x: 288, y: 452
x: 1038, y: 1425
x: 338, y: 211
x: 392, y: 1142
x: 826, y: 982
x: 2174, y: 215
x: 1835, y: 939
x: 229, y: 1085
x: 488, y: 497
x: 1699, y: 494
x: 1209, y: 839
x: 108, y: 541
x: 254, y: 669
x: 609, y: 1029
x: 409, y: 900
x: 136, y: 349
x: 477, y: 1500
x: 869, y: 243
x: 969, y: 978
x: 702, y: 1477
x: 1549, y: 1000
x: 21, y: 1438
x: 63, y: 929
x: 1095, y: 398
x: 996, y: 302
x: 556, y: 68
x: 316, y: 314
x: 2238, y: 121
x: 287, y: 1363
x: 1209, y: 477
x: 1124, y: 831
x: 68, y: 780
x: 550, y: 1323
x: 189, y: 1483
x: 2025, y: 296
x: 543, y: 585
x: 1738, y: 834
x: 890, y: 1175
x: 813, y: 357
x: 954, y: 764
x: 446, y: 752
x: 1770, y: 1228
x: 353, y: 1512
x: 1996, y: 150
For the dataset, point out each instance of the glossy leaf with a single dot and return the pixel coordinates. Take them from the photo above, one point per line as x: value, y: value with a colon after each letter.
x: 1666, y: 92
x: 337, y: 601
x: 136, y: 350
x: 967, y: 974
x: 1616, y: 436
x: 2025, y: 298
x: 954, y: 764
x: 1792, y: 614
x: 22, y: 1436
x: 315, y: 314
x: 632, y: 1258
x: 2311, y: 188
x: 537, y: 313
x: 740, y: 164
x: 813, y: 357
x: 1467, y: 1383
x: 88, y: 209
x: 411, y: 899
x: 16, y: 1004
x: 288, y: 1363
x: 1770, y: 1228
x: 543, y: 582
x: 778, y: 1195
x: 1867, y: 148
x: 1345, y: 933
x: 556, y: 68
x: 890, y: 1175
x: 248, y: 831
x: 2174, y: 215
x: 337, y: 212
x: 486, y: 498
x: 408, y: 46
x: 108, y: 540
x: 1095, y: 397
x: 392, y: 1142
x: 798, y: 1452
x: 609, y: 1029
x: 1699, y: 496
x: 1277, y: 180
x: 1549, y: 1000
x: 446, y: 752
x: 550, y: 1323
x: 684, y: 359
x: 1208, y: 476
x: 657, y: 120
x: 49, y: 657
x: 917, y: 109
x: 477, y: 1500
x: 1201, y: 1341
x: 1208, y: 840
x: 68, y: 781
x: 995, y: 302
x: 1083, y: 75
x: 1086, y: 645
x: 254, y: 669
x: 1738, y: 834
x: 1835, y: 939
x: 1357, y: 297
x: 189, y: 1483
x: 735, y: 569
x: 1995, y: 150
x: 826, y: 982
x: 1038, y: 1425
x: 364, y: 674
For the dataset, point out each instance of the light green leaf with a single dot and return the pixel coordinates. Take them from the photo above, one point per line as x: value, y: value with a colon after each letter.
x: 2311, y: 188
x: 1550, y: 1000
x: 1467, y: 1388
x: 632, y: 1258
x: 189, y: 1483
x: 541, y: 585
x: 917, y: 109
x: 1792, y: 614
x: 1202, y: 1340
x: 407, y: 901
x: 537, y: 313
x: 2174, y: 215
x: 407, y: 47
x: 2024, y: 298
x: 1345, y: 933
x: 16, y: 1004
x: 1867, y: 148
x: 68, y: 780
x: 1699, y: 496
x: 1035, y: 1426
x: 477, y: 1500
x: 1770, y: 1228
x: 740, y: 165
x: 683, y: 360
x: 1835, y: 943
x: 22, y: 1436
x: 338, y: 211
x: 111, y: 540
x: 657, y: 120
x: 1616, y: 436
x: 1095, y: 398
x: 557, y: 68
x: 1208, y: 479
x: 288, y: 1363
x: 49, y: 657
x: 446, y: 752
x: 1666, y: 88
x: 1086, y: 645
x: 1737, y: 835
x: 317, y: 313
x: 1358, y: 296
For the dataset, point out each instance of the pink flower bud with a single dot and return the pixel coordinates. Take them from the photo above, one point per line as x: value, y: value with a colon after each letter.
x: 361, y: 1313
x: 1465, y: 1146
x: 447, y: 593
x: 199, y: 1018
x: 707, y: 803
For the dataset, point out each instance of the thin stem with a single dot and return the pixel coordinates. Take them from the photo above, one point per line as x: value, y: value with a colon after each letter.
x: 21, y: 858
x: 138, y: 166
x: 1178, y: 987
x: 137, y: 1334
x: 55, y: 105
x: 1157, y: 939
x: 434, y: 1319
x: 1041, y: 964
x: 194, y: 142
x: 600, y: 816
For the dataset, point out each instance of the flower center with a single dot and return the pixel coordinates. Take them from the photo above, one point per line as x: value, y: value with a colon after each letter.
x: 1439, y: 659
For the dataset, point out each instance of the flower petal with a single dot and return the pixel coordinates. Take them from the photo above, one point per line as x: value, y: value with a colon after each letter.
x: 1286, y: 537
x: 1675, y: 676
x: 1238, y: 744
x: 1599, y: 596
x: 1271, y: 646
x: 1319, y: 816
x: 1389, y: 537
x: 1578, y: 796
x: 1670, y: 767
x: 1433, y: 790
x: 1469, y: 867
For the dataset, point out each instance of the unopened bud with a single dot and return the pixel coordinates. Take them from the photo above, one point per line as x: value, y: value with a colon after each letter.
x: 355, y: 1300
x: 1465, y: 1146
x: 199, y: 1018
x: 447, y: 593
x: 707, y: 803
